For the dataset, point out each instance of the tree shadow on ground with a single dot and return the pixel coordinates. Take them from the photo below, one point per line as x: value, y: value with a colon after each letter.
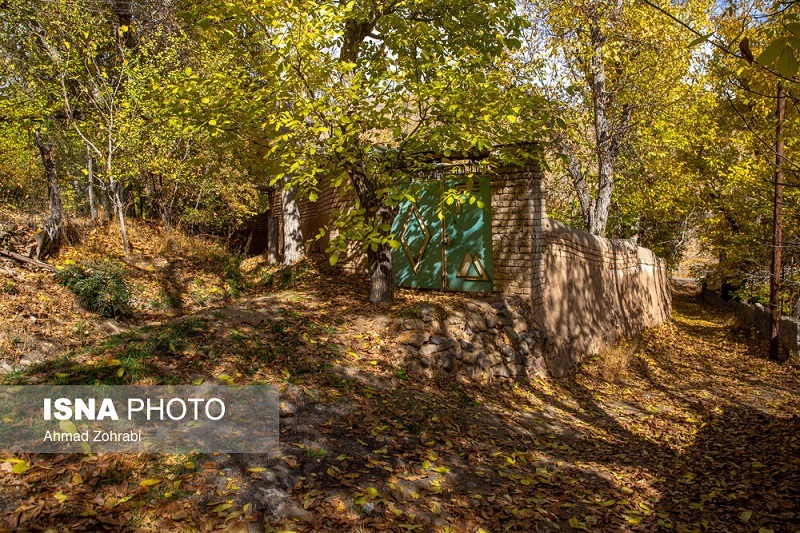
x: 683, y: 443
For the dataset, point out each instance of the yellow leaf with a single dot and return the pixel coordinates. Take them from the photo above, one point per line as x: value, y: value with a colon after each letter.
x: 149, y: 482
x: 441, y: 469
x: 197, y: 381
x: 67, y: 426
x: 574, y: 522
x: 256, y: 469
x: 634, y: 520
x: 188, y: 71
x: 20, y: 467
x: 745, y: 516
x: 222, y: 507
x: 77, y: 479
x: 60, y: 496
x: 248, y: 508
x: 526, y: 481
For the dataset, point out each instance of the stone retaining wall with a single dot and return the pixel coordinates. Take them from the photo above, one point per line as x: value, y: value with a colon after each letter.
x: 480, y: 339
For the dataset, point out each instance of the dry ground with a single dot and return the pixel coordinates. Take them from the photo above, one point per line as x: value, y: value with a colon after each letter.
x: 687, y: 427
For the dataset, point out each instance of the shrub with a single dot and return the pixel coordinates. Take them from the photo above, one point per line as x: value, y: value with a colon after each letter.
x: 101, y: 287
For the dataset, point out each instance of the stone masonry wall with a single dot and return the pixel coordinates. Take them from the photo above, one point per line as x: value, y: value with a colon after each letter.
x: 594, y: 291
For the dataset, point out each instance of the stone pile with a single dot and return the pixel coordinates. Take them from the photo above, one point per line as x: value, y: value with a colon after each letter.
x: 480, y: 340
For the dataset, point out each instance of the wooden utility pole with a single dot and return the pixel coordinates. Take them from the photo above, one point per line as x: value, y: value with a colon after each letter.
x: 775, y: 278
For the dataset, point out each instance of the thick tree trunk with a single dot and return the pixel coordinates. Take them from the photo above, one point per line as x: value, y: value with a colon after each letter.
x: 381, y: 276
x: 292, y: 232
x: 49, y: 238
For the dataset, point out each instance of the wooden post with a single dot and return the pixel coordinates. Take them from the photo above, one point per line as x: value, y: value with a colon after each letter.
x: 775, y: 279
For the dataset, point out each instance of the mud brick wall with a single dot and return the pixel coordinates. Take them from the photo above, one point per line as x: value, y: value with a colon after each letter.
x: 596, y: 290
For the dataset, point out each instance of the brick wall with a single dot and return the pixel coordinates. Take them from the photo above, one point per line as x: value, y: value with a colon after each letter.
x: 517, y: 204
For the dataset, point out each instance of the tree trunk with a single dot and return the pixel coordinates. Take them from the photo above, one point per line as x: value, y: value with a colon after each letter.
x: 272, y: 239
x: 775, y: 280
x: 49, y: 238
x: 292, y: 232
x: 381, y: 276
x: 90, y: 185
x: 119, y: 206
x: 105, y: 196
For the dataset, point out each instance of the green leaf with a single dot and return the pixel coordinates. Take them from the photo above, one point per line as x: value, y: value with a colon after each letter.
x: 794, y: 28
x: 787, y: 63
x: 333, y: 259
x: 700, y: 40
x: 772, y: 52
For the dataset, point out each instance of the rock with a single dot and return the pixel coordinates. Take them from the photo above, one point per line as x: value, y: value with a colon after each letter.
x: 413, y: 337
x: 495, y: 358
x: 413, y: 323
x: 368, y: 508
x: 448, y: 363
x: 483, y: 361
x: 507, y: 351
x: 425, y: 360
x: 511, y: 334
x: 492, y: 321
x: 287, y: 410
x: 427, y: 313
x: 470, y: 358
x: 502, y: 371
x: 429, y: 349
x: 523, y: 348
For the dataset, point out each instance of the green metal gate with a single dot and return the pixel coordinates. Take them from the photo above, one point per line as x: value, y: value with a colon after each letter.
x: 445, y: 236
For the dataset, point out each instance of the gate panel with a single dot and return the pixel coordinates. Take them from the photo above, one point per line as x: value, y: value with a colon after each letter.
x: 468, y: 238
x: 418, y: 261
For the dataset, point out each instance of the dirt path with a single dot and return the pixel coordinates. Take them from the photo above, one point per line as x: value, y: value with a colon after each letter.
x: 700, y: 433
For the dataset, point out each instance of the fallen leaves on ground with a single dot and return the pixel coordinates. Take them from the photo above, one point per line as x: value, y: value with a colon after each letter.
x: 700, y: 432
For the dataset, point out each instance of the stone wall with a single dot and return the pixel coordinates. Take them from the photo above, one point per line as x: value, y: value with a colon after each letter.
x: 478, y: 338
x: 595, y: 290
x: 757, y: 317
